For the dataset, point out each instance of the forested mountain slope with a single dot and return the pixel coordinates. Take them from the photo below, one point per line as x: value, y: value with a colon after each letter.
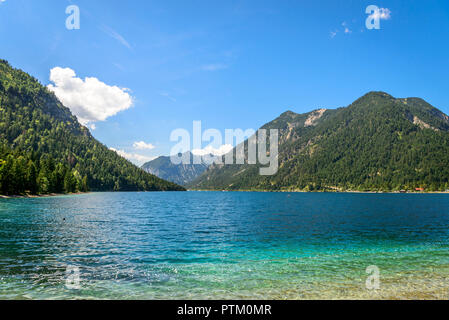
x: 378, y: 143
x: 43, y: 148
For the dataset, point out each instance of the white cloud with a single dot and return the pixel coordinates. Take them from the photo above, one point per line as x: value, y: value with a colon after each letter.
x: 113, y: 34
x: 383, y: 14
x: 135, y: 158
x: 119, y: 66
x: 345, y: 27
x: 90, y: 99
x: 141, y: 145
x: 346, y: 30
x: 222, y: 150
x: 168, y: 96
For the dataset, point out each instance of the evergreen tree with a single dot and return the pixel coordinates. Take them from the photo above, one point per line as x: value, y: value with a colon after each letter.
x: 69, y: 182
x: 31, y: 177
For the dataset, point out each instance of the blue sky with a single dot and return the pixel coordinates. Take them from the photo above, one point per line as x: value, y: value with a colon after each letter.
x: 230, y: 64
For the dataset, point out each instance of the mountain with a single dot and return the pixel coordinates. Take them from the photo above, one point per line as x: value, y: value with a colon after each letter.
x: 43, y: 148
x: 378, y: 143
x: 181, y: 174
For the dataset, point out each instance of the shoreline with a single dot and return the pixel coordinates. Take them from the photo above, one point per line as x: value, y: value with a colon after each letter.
x: 300, y: 191
x: 35, y: 196
x: 53, y: 195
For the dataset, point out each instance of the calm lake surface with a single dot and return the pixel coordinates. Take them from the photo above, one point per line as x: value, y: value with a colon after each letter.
x: 224, y: 245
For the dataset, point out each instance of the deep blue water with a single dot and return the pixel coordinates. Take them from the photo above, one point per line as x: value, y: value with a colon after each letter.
x: 223, y: 245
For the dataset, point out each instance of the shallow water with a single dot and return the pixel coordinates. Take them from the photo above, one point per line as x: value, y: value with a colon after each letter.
x: 224, y: 245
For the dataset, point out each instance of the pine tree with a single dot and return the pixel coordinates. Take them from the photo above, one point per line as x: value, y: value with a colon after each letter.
x: 43, y: 182
x: 31, y: 177
x: 84, y: 187
x: 69, y: 182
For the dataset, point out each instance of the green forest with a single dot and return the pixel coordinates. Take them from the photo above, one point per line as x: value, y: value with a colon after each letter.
x: 378, y: 143
x: 43, y: 148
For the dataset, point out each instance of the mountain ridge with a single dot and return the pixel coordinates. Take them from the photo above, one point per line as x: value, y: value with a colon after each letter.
x: 181, y: 174
x: 377, y: 143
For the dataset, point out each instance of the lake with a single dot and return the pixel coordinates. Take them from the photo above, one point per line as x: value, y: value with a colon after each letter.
x: 224, y: 245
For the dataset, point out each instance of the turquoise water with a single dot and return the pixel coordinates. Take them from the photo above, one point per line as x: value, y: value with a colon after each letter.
x: 224, y: 245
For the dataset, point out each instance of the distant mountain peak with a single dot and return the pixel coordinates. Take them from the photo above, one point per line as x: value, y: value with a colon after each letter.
x: 380, y: 94
x: 288, y: 113
x: 181, y: 174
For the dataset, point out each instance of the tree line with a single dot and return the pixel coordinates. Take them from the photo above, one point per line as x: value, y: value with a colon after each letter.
x: 30, y: 174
